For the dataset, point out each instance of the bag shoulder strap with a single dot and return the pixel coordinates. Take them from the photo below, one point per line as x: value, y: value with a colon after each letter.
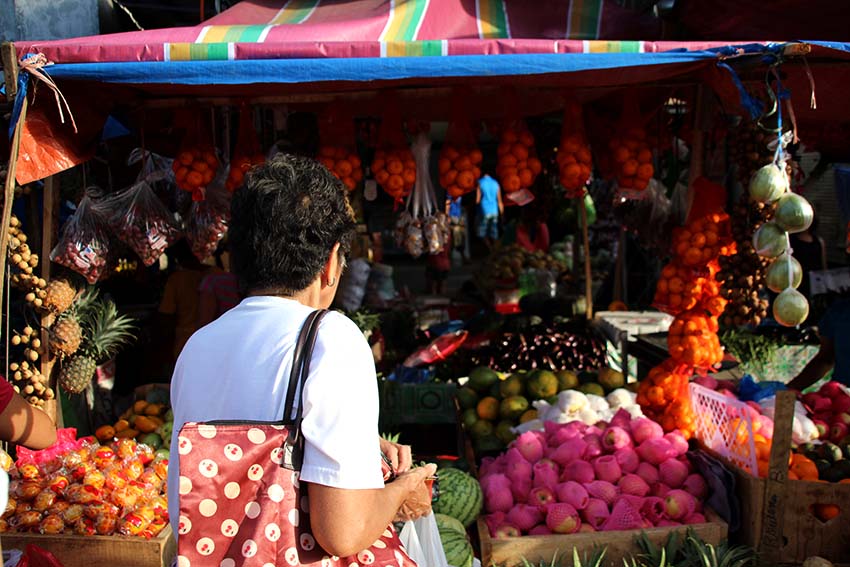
x: 301, y: 362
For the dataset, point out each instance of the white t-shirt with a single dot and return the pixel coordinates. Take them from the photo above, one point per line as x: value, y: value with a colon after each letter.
x: 238, y: 368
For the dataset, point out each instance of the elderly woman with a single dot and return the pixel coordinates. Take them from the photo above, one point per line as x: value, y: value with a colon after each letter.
x: 291, y: 227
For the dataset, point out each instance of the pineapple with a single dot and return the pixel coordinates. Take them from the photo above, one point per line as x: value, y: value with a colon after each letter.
x: 60, y: 296
x: 66, y: 333
x: 105, y: 332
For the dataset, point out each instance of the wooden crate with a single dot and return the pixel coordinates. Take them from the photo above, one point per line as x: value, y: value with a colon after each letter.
x: 88, y: 551
x: 776, y: 512
x: 509, y: 552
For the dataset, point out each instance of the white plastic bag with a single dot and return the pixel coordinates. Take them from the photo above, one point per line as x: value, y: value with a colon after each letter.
x: 421, y: 540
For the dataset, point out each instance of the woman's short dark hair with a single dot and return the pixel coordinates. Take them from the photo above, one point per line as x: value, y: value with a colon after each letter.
x: 284, y: 223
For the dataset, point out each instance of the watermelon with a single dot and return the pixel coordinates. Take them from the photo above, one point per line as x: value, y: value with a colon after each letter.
x: 457, y: 549
x: 448, y: 524
x: 459, y: 496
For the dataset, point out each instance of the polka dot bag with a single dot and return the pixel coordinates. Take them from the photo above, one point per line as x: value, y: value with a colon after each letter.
x: 241, y: 502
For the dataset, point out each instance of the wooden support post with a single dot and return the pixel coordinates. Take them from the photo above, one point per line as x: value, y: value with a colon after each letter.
x: 9, y: 194
x: 10, y: 69
x: 772, y: 542
x: 588, y: 276
x: 49, y: 222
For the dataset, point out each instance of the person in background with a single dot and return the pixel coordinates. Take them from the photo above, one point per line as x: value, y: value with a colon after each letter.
x: 488, y: 197
x: 437, y: 267
x: 834, y: 352
x: 457, y: 220
x: 21, y: 423
x: 178, y: 309
x: 219, y: 290
x: 810, y: 250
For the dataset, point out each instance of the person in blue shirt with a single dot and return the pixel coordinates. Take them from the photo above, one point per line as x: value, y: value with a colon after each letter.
x: 834, y: 353
x: 457, y: 219
x: 488, y: 197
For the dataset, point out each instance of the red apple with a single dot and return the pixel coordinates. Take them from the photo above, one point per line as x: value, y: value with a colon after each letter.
x: 811, y: 400
x: 541, y: 497
x: 841, y: 403
x: 838, y: 432
x: 823, y: 428
x: 831, y: 390
x: 507, y: 530
x: 841, y: 418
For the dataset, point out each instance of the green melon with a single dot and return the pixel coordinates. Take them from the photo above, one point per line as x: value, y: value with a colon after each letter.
x: 457, y: 549
x: 459, y: 496
x: 447, y: 523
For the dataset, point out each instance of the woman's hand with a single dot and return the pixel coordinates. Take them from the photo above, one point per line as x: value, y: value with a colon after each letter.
x: 418, y: 501
x: 399, y: 455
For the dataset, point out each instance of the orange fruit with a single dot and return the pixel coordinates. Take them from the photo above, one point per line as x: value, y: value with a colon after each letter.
x: 520, y: 152
x: 395, y: 167
x: 645, y: 171
x: 644, y: 156
x: 476, y: 156
x: 444, y: 165
x: 826, y: 512
x: 526, y: 139
x: 488, y: 408
x: 465, y: 180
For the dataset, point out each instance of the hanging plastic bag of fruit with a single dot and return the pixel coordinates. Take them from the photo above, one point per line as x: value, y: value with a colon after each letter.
x: 338, y: 150
x: 393, y: 166
x: 518, y: 165
x: 632, y: 153
x: 196, y: 163
x: 248, y: 152
x: 574, y: 159
x: 460, y: 158
x: 86, y: 241
x: 207, y: 221
x: 142, y: 221
x: 154, y: 167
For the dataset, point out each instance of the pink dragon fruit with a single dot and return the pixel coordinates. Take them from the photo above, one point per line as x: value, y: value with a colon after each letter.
x: 545, y: 474
x: 673, y: 473
x: 562, y: 518
x: 506, y: 530
x: 521, y: 490
x: 539, y: 530
x: 615, y: 438
x: 498, y: 496
x: 524, y: 516
x: 494, y: 520
x: 695, y: 518
x: 621, y: 419
x: 653, y: 509
x: 643, y: 429
x: 655, y: 450
x: 624, y: 516
x: 633, y: 484
x: 648, y: 472
x: 696, y: 486
x: 557, y: 433
x: 595, y: 513
x: 569, y: 451
x: 530, y: 446
x: 489, y: 466
x: 541, y: 497
x: 679, y: 504
x: 659, y: 489
x: 678, y: 442
x: 607, y: 468
x: 593, y: 448
x: 572, y: 493
x: 628, y: 459
x: 579, y: 471
x: 602, y: 490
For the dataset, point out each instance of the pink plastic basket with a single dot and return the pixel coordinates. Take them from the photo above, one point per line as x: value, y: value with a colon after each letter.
x: 723, y: 425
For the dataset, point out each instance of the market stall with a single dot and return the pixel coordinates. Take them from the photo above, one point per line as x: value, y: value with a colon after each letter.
x: 566, y: 445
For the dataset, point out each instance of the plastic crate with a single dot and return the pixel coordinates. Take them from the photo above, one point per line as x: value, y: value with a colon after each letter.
x: 417, y: 403
x: 724, y: 426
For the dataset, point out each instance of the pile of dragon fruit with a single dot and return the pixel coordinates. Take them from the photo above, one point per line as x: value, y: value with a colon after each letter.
x: 572, y: 477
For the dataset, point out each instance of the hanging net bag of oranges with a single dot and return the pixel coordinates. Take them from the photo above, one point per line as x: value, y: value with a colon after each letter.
x: 393, y: 165
x: 631, y: 152
x: 664, y: 398
x: 196, y: 163
x: 517, y: 166
x: 460, y: 157
x: 574, y: 159
x: 248, y: 152
x: 338, y: 149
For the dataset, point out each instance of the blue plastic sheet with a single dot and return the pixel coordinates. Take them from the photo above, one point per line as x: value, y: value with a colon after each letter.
x: 751, y: 391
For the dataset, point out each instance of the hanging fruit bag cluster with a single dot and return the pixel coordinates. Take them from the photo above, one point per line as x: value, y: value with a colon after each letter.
x: 338, y: 150
x: 196, y: 163
x: 574, y: 159
x: 393, y: 165
x: 247, y: 154
x: 86, y: 242
x: 460, y: 158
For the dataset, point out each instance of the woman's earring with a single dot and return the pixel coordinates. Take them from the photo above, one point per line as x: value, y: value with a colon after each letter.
x: 332, y: 282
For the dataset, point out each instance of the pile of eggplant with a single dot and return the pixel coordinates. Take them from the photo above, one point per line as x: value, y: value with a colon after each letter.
x: 556, y: 346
